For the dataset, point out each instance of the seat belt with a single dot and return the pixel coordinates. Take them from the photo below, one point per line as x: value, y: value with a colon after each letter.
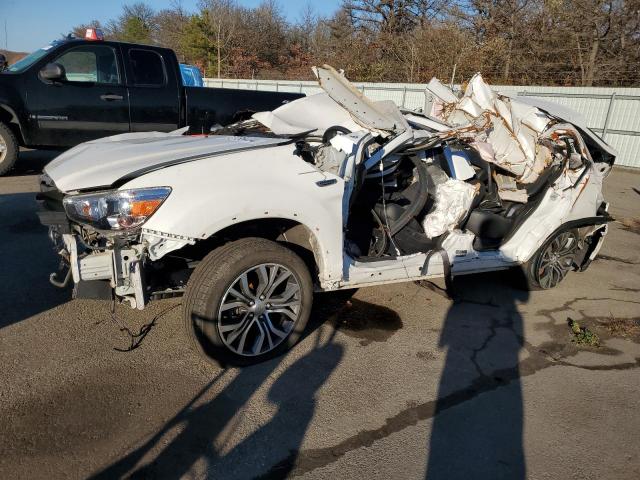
x: 446, y: 265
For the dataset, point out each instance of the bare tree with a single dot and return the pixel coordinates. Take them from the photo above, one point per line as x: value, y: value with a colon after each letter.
x: 220, y: 21
x: 566, y: 42
x: 137, y: 23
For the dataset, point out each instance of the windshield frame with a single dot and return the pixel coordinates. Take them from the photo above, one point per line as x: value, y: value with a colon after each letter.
x: 29, y: 60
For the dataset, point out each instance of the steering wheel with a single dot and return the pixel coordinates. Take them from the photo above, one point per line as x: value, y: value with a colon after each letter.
x: 331, y: 132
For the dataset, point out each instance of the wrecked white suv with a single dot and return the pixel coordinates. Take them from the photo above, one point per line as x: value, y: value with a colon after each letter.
x: 331, y: 191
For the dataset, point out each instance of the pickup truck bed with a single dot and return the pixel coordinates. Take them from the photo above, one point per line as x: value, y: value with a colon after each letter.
x: 75, y: 90
x: 206, y: 107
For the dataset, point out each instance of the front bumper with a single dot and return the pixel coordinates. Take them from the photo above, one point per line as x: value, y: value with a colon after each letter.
x: 121, y: 267
x: 116, y: 264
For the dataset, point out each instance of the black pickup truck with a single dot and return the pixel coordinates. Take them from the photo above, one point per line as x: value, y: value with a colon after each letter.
x: 75, y: 90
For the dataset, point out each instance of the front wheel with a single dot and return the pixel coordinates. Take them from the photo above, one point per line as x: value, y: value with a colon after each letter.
x: 553, y: 261
x: 8, y: 149
x: 247, y: 301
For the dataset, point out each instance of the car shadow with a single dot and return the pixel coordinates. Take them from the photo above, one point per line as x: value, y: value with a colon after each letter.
x: 31, y: 162
x: 207, y: 424
x: 483, y: 336
x: 27, y: 260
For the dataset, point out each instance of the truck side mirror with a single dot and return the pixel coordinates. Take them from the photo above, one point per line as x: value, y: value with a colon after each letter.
x: 52, y: 72
x: 3, y: 62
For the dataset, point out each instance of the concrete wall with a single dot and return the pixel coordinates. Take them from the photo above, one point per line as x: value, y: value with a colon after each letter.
x: 613, y: 113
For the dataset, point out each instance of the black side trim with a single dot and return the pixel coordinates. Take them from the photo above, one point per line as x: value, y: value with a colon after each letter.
x: 583, y: 261
x: 596, y: 238
x: 54, y: 219
x: 583, y: 222
x: 159, y: 166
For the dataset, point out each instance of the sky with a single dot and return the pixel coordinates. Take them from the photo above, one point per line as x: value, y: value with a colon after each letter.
x: 31, y: 24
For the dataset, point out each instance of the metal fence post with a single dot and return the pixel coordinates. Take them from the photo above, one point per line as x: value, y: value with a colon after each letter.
x: 300, y: 85
x: 277, y: 86
x: 606, y: 119
x: 404, y: 95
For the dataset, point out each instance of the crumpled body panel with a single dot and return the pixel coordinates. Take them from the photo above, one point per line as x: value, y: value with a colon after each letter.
x: 509, y: 130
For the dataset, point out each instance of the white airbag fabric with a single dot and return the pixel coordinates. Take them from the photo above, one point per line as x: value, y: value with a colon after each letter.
x: 453, y: 200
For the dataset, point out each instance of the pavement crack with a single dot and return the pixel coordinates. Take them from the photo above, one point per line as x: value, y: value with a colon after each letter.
x: 610, y: 258
x: 301, y: 462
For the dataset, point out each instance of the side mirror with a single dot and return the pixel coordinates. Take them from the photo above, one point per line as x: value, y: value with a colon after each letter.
x: 52, y: 72
x: 3, y: 62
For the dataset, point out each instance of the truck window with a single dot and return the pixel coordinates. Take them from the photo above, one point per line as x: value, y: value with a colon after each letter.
x: 90, y: 63
x: 147, y: 68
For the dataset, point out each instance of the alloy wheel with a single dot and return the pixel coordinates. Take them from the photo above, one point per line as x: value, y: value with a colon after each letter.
x: 259, y: 310
x: 557, y: 259
x: 3, y: 148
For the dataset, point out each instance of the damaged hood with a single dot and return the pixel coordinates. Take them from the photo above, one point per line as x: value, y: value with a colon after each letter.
x: 383, y: 116
x: 341, y: 104
x: 105, y: 162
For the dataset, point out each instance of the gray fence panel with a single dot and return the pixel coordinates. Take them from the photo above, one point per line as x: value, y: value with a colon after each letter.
x: 613, y: 113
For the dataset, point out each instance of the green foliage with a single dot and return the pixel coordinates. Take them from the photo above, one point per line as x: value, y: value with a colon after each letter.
x: 522, y: 42
x: 195, y: 41
x: 582, y: 335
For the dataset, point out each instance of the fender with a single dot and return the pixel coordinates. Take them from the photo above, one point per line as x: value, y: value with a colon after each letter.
x: 211, y: 194
x: 13, y: 118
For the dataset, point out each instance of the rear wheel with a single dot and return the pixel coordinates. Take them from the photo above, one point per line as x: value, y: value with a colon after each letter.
x: 8, y: 149
x: 248, y: 301
x: 553, y: 261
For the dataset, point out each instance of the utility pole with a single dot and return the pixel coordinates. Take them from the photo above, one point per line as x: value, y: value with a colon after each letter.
x: 453, y: 75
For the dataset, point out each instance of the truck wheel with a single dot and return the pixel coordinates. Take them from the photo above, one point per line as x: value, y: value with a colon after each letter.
x: 8, y: 149
x: 553, y: 260
x: 247, y: 301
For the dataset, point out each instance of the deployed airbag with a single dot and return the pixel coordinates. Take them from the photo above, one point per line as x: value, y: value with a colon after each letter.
x: 453, y: 200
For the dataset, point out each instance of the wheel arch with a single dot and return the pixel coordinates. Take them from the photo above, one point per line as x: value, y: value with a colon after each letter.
x: 10, y: 119
x: 291, y: 233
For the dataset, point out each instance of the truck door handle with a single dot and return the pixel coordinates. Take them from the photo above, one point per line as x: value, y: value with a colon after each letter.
x: 109, y: 97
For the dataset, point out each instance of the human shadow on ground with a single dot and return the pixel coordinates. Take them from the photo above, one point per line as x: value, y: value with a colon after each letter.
x: 206, y: 424
x: 483, y: 335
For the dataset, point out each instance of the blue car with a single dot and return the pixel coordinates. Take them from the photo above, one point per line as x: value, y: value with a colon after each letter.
x: 191, y: 76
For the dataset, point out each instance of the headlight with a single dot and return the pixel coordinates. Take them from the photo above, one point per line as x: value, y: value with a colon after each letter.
x: 117, y: 209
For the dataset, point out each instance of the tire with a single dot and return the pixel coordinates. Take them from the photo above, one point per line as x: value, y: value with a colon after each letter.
x: 552, y: 261
x: 8, y: 149
x: 225, y: 291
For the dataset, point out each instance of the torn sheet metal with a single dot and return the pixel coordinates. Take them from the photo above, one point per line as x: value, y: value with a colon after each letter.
x: 161, y: 243
x: 330, y: 159
x: 294, y: 117
x: 423, y: 121
x: 575, y: 118
x: 384, y: 117
x: 513, y: 128
x: 437, y: 96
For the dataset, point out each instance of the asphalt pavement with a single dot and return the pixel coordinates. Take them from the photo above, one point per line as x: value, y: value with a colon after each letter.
x: 395, y: 381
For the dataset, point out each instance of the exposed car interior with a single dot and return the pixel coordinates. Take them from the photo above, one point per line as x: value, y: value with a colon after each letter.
x: 480, y: 164
x: 390, y: 201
